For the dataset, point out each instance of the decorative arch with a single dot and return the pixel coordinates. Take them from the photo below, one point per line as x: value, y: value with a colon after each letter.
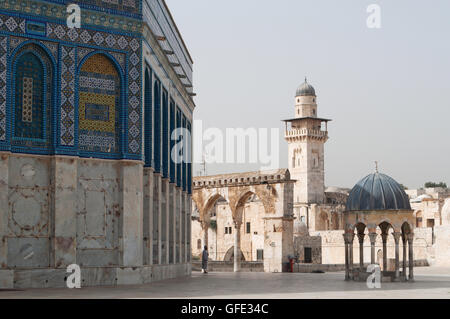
x: 100, y: 101
x: 229, y: 255
x: 261, y: 192
x: 360, y: 228
x: 209, y: 205
x: 33, y: 91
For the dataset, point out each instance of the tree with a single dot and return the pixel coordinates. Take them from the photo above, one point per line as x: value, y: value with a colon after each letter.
x: 433, y: 185
x: 404, y: 187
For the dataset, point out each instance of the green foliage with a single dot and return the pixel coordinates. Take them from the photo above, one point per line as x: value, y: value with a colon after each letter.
x: 404, y: 187
x: 213, y: 224
x: 433, y: 185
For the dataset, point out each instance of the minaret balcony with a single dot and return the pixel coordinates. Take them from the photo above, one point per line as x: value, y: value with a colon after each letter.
x: 306, y: 133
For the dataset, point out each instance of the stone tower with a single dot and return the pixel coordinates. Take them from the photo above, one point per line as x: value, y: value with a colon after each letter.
x: 306, y: 136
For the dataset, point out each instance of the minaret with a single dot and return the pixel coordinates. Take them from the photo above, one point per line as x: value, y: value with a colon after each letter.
x: 306, y: 137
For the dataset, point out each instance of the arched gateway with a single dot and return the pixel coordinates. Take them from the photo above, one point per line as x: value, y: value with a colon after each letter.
x: 274, y: 189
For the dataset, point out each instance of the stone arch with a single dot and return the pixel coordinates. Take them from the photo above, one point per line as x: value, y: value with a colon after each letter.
x: 100, y: 104
x: 360, y: 228
x: 229, y: 256
x: 210, y: 203
x: 385, y: 226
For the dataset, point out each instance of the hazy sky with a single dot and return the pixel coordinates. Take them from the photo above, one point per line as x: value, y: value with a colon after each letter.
x: 387, y: 90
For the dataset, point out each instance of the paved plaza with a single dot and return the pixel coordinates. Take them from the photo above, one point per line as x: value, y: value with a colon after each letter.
x: 430, y: 283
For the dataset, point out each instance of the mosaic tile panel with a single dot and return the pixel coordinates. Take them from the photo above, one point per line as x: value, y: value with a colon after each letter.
x: 12, y: 24
x: 33, y: 87
x: 67, y: 124
x: 99, y: 106
x: 3, y: 60
x: 128, y: 6
x: 115, y: 42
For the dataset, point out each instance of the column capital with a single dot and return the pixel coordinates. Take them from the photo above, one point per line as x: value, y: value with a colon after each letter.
x: 410, y: 237
x: 373, y: 237
x: 397, y: 236
x: 348, y: 237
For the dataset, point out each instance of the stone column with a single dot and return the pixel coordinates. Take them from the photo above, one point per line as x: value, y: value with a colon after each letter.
x: 185, y: 224
x: 411, y: 256
x: 173, y: 216
x: 404, y: 240
x: 350, y: 253
x: 237, y: 247
x: 205, y: 228
x: 361, y: 251
x: 65, y: 204
x: 384, y: 237
x: 148, y: 216
x: 179, y: 215
x: 397, y: 254
x: 188, y: 230
x: 159, y: 214
x: 182, y: 224
x: 132, y: 225
x: 373, y: 239
x: 167, y: 219
x: 347, y: 271
x: 4, y: 209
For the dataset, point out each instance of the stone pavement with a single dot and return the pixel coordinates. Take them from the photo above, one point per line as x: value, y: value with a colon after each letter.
x: 430, y: 283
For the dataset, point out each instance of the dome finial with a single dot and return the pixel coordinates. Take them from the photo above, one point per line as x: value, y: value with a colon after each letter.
x: 376, y: 167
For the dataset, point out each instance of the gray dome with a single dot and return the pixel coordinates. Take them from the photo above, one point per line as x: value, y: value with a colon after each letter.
x: 306, y: 89
x: 377, y: 192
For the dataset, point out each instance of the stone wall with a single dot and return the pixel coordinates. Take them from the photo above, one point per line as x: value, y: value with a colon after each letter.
x: 328, y: 247
x: 56, y: 211
x: 227, y: 266
x: 442, y: 245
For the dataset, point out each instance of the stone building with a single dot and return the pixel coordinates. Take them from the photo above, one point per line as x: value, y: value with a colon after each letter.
x: 86, y: 116
x: 319, y: 211
x: 252, y: 217
x: 432, y: 217
x: 306, y: 134
x: 221, y: 234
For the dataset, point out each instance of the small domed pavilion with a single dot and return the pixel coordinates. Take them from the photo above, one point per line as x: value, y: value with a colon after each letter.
x: 378, y: 201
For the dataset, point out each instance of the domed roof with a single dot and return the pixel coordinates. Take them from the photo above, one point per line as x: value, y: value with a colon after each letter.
x: 306, y: 89
x: 377, y: 192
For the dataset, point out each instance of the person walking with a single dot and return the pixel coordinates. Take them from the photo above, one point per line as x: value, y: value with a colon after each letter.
x: 205, y: 256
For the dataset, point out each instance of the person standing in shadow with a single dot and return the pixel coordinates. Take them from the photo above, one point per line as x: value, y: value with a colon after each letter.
x: 205, y: 256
